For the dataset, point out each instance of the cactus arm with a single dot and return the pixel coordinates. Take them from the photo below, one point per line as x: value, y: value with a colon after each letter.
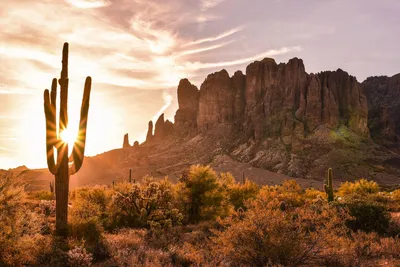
x: 51, y: 136
x: 63, y: 81
x: 78, y: 150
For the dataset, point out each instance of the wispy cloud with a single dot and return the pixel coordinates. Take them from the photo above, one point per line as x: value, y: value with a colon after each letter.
x: 215, y: 38
x: 167, y: 98
x: 207, y: 4
x: 89, y: 3
x: 269, y: 53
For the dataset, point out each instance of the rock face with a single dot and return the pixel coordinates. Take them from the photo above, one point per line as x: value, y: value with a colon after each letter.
x: 283, y: 101
x: 351, y: 101
x: 275, y: 101
x: 279, y: 101
x: 126, y: 141
x: 162, y: 128
x: 383, y: 94
x: 216, y: 101
x: 149, y: 135
x: 188, y: 101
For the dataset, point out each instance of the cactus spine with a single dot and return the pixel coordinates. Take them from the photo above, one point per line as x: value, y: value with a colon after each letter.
x: 328, y: 185
x: 61, y: 169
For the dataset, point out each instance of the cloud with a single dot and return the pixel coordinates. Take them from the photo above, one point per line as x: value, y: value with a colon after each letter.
x: 208, y: 4
x: 215, y: 38
x: 269, y: 53
x: 167, y: 98
x: 89, y: 3
x: 203, y: 49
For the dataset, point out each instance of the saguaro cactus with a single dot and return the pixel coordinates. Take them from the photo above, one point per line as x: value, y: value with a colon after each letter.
x: 130, y: 175
x: 328, y: 185
x: 65, y: 165
x: 51, y: 187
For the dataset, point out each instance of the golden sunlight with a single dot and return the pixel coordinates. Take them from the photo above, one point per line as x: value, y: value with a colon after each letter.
x: 68, y: 136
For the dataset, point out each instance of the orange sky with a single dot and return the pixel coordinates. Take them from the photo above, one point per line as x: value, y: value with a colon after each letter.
x: 137, y: 51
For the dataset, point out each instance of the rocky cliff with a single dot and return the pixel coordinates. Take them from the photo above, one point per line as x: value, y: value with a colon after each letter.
x: 274, y: 101
x: 383, y: 94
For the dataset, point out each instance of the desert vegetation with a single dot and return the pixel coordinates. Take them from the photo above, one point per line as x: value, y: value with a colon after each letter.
x: 206, y: 219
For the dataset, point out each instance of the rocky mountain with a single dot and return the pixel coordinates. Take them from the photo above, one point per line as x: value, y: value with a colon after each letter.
x: 280, y: 118
x: 271, y: 123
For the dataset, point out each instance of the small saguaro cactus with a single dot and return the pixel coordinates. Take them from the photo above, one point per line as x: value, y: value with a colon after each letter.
x: 51, y: 187
x: 130, y: 176
x: 328, y: 185
x: 65, y: 165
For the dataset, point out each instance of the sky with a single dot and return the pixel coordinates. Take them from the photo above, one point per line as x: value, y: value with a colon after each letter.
x: 136, y: 51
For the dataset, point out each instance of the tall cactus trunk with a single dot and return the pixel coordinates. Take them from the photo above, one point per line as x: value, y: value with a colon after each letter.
x: 62, y: 170
x: 328, y: 185
x: 62, y: 189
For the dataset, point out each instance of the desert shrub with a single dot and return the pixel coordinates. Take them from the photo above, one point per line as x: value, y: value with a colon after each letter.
x: 267, y: 236
x: 47, y: 207
x: 238, y: 193
x: 395, y: 195
x: 367, y: 215
x: 25, y: 241
x: 360, y: 187
x: 394, y: 203
x: 90, y: 208
x: 54, y: 253
x: 127, y: 248
x: 146, y: 205
x: 41, y: 195
x: 87, y: 218
x: 98, y: 195
x: 290, y: 192
x: 202, y: 195
x: 11, y: 193
x: 79, y: 257
x: 312, y: 193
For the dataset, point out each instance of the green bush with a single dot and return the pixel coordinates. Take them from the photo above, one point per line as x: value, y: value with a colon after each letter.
x: 238, y: 193
x: 367, y: 215
x: 145, y: 205
x: 202, y: 195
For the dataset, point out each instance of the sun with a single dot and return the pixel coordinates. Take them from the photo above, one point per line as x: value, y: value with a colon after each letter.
x: 68, y: 137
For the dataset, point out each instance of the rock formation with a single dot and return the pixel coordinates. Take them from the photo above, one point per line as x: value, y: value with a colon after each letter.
x: 280, y: 118
x: 126, y: 141
x: 216, y: 101
x: 136, y: 144
x: 149, y: 135
x: 274, y: 101
x: 383, y: 94
x: 162, y: 128
x: 188, y: 101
